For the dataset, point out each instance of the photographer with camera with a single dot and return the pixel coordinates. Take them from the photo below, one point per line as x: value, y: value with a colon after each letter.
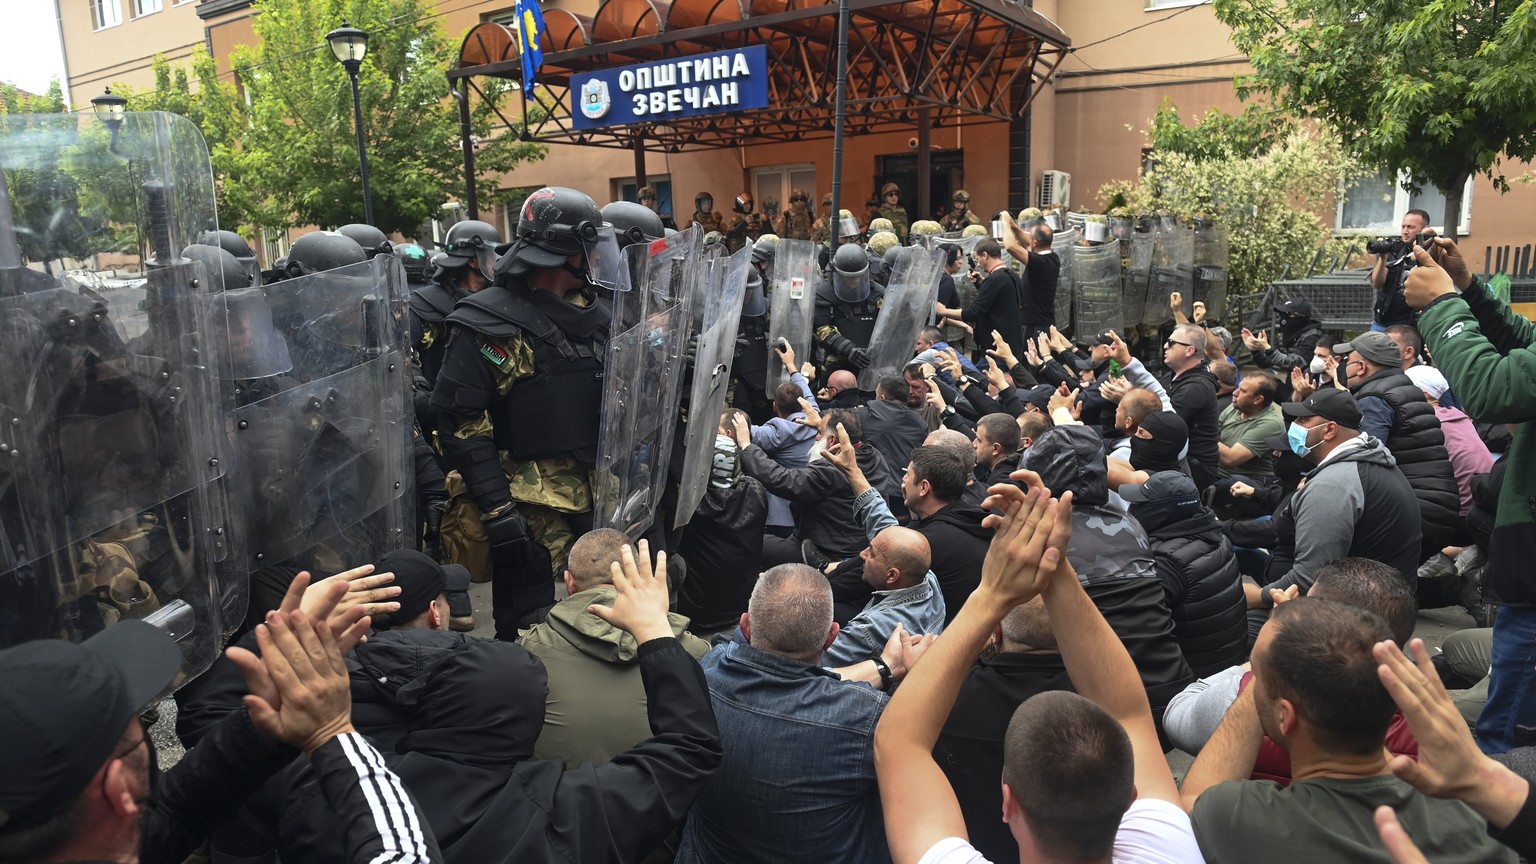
x: 1394, y: 258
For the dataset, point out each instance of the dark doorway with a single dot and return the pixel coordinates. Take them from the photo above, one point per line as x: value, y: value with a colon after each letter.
x: 948, y: 174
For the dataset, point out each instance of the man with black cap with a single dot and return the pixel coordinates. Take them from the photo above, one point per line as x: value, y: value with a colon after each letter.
x: 1354, y: 504
x: 1394, y: 409
x: 81, y: 784
x: 1298, y: 335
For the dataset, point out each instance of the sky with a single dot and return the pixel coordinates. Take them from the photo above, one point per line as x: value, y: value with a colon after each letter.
x: 29, y: 44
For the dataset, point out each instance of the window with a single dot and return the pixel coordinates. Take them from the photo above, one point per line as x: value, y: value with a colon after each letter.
x: 771, y: 186
x: 662, y: 183
x: 146, y: 7
x: 1377, y: 205
x: 1156, y: 5
x: 106, y: 13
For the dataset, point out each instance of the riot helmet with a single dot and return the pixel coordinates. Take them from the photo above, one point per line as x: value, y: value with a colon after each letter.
x: 743, y: 203
x: 704, y: 202
x: 714, y: 238
x: 224, y: 271
x: 235, y: 245
x: 557, y: 223
x: 762, y: 254
x: 974, y: 231
x: 893, y: 256
x: 319, y: 251
x: 633, y: 223
x: 850, y: 274
x: 370, y: 238
x: 847, y: 227
x: 471, y: 240
x: 256, y: 350
x: 755, y: 303
x: 414, y: 259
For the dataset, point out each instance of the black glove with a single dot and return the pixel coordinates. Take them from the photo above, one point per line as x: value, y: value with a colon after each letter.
x: 859, y: 358
x: 510, y: 539
x: 432, y: 526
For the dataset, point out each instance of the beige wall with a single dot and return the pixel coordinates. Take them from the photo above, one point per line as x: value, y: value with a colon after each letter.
x: 97, y: 58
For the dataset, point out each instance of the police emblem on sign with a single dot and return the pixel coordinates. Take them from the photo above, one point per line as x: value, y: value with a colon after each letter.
x: 594, y: 99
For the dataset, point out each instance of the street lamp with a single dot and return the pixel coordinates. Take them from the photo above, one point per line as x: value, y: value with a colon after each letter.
x: 110, y: 107
x: 350, y: 45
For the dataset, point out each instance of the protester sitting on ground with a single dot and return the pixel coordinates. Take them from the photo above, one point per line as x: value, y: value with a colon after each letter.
x: 892, y: 428
x: 1226, y: 382
x: 1160, y: 442
x: 1133, y: 407
x: 1083, y: 776
x: 1031, y: 426
x: 595, y: 708
x: 997, y: 448
x: 1198, y: 570
x: 1295, y: 340
x: 964, y: 449
x: 1248, y: 424
x: 785, y: 440
x: 81, y: 780
x: 1316, y: 692
x: 724, y: 540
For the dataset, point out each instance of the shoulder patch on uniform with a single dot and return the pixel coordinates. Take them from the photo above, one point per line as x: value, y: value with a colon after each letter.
x: 1454, y: 329
x: 494, y: 353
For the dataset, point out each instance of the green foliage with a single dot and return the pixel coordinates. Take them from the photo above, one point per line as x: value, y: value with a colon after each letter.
x: 1441, y: 89
x: 1268, y: 201
x: 1218, y: 135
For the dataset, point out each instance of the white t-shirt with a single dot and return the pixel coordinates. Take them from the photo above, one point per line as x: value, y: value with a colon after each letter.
x: 1151, y: 832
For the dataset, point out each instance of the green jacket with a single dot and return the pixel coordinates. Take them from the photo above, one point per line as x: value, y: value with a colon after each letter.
x: 596, y: 705
x: 1488, y: 353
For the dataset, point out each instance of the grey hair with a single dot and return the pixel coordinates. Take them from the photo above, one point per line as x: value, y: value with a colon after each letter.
x: 1196, y: 336
x: 791, y: 611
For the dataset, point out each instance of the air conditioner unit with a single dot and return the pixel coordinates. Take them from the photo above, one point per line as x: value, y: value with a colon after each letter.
x: 1055, y: 189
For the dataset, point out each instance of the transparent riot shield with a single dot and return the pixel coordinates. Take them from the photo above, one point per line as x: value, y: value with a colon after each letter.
x: 1173, y: 265
x: 720, y: 299
x: 321, y: 477
x: 1065, y: 244
x: 641, y: 385
x: 907, y: 308
x: 1210, y: 270
x: 792, y: 304
x: 109, y: 497
x: 1137, y: 274
x: 1096, y: 289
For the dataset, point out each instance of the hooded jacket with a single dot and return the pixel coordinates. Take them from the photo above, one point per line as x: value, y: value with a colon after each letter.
x: 894, y: 430
x: 1110, y: 553
x: 724, y: 547
x: 822, y: 497
x: 467, y: 761
x: 388, y: 661
x: 957, y: 544
x: 1199, y: 573
x: 1418, y: 446
x: 595, y: 708
x: 1293, y: 348
x: 1194, y: 398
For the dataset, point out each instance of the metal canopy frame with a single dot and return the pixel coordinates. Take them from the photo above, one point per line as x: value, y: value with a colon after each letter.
x: 957, y: 61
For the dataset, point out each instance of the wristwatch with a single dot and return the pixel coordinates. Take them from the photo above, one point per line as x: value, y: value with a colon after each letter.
x: 886, y: 678
x: 949, y: 411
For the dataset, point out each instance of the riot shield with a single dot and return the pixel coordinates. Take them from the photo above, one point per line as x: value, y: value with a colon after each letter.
x: 1173, y: 266
x: 907, y: 308
x: 792, y: 304
x: 109, y: 498
x: 720, y: 299
x: 1210, y: 273
x: 1096, y: 289
x: 1137, y: 273
x: 1065, y: 244
x: 641, y: 384
x: 322, y: 475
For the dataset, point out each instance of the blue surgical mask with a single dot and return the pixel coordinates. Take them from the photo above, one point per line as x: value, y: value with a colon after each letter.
x: 1296, y: 436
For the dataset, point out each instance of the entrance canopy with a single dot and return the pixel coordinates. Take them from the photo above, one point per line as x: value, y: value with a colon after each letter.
x: 965, y: 61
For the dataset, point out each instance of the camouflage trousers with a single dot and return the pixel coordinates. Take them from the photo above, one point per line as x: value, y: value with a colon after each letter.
x: 464, y: 538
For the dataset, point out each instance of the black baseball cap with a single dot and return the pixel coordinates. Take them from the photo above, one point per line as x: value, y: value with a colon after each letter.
x: 64, y: 707
x: 1296, y: 306
x: 1103, y: 337
x: 421, y: 580
x: 1173, y: 486
x: 1329, y: 403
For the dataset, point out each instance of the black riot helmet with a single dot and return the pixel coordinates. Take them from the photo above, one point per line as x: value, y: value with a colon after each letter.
x: 556, y: 223
x: 319, y: 251
x: 222, y: 271
x: 763, y: 249
x: 414, y: 259
x: 470, y: 240
x: 755, y: 303
x: 850, y: 273
x: 633, y: 223
x: 370, y: 238
x: 235, y: 245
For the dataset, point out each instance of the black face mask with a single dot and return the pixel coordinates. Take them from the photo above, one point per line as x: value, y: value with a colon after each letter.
x: 1289, y: 468
x: 1153, y: 515
x: 1152, y: 455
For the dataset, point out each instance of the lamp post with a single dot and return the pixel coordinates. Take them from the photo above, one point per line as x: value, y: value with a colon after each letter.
x: 110, y: 107
x: 350, y: 45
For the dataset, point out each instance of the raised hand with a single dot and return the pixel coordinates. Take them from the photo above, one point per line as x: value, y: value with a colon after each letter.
x: 1198, y: 313
x: 1059, y: 343
x: 1012, y: 573
x: 300, y: 692
x: 1063, y: 398
x: 741, y: 431
x: 997, y: 377
x: 1176, y: 303
x: 1430, y: 279
x: 841, y: 453
x: 812, y: 416
x: 1301, y: 385
x: 640, y: 605
x: 1114, y: 389
x: 1118, y: 350
x: 366, y: 589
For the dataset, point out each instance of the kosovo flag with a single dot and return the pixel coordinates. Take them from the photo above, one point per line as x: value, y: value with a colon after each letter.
x: 530, y: 27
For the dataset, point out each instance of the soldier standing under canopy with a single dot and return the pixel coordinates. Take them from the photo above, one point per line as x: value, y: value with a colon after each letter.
x: 520, y: 395
x: 890, y: 208
x: 704, y: 213
x: 746, y: 223
x: 821, y: 229
x: 960, y: 215
x: 795, y: 224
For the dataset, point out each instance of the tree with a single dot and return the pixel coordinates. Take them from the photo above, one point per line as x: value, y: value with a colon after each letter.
x: 1264, y: 179
x: 1441, y: 90
x: 297, y: 158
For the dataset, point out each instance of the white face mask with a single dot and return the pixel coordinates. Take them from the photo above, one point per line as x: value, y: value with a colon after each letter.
x: 1318, y: 366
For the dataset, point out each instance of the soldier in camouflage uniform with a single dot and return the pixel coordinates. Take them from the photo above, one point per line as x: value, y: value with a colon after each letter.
x: 960, y: 216
x: 746, y: 223
x: 647, y: 198
x: 821, y: 229
x: 704, y: 213
x: 890, y: 208
x: 795, y: 224
x: 519, y: 397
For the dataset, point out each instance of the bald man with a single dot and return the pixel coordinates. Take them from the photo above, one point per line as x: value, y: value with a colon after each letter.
x: 842, y: 391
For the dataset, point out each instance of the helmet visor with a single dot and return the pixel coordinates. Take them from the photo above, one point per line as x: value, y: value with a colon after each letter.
x: 848, y: 227
x: 605, y: 260
x: 850, y: 287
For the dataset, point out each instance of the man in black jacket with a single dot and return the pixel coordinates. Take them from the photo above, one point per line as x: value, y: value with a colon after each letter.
x: 1193, y: 393
x: 1198, y: 570
x: 724, y: 540
x: 1294, y: 342
x: 933, y: 488
x: 1393, y: 409
x: 996, y: 304
x: 893, y: 428
x: 997, y: 450
x: 1042, y: 271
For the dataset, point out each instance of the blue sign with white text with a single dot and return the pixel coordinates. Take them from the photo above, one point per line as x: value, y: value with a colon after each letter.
x: 717, y: 83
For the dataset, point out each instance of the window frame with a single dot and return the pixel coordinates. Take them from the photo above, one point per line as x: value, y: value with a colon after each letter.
x: 138, y: 10
x: 1401, y: 199
x: 1161, y: 5
x: 98, y: 6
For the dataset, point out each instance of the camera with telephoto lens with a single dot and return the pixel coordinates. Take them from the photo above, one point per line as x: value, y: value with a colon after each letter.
x: 1388, y: 245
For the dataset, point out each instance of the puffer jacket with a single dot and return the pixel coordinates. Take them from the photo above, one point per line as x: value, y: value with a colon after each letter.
x: 822, y: 497
x: 388, y: 661
x: 895, y: 430
x: 595, y: 708
x: 1113, y: 560
x: 1418, y: 445
x: 1205, y: 592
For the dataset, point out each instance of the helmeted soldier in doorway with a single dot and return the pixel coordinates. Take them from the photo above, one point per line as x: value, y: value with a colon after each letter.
x: 704, y: 213
x: 960, y: 214
x: 746, y: 223
x: 890, y: 208
x: 846, y: 306
x: 795, y: 224
x: 520, y: 395
x: 821, y: 229
x: 647, y: 198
